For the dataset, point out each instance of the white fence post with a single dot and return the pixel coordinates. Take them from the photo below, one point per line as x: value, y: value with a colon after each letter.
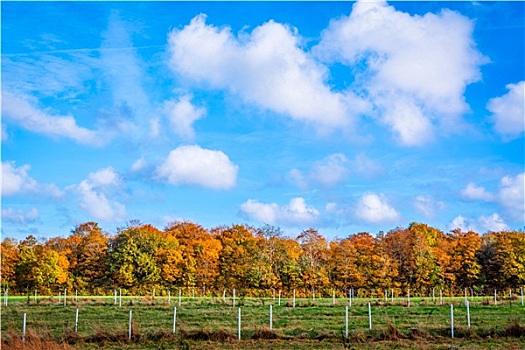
x: 5, y: 297
x: 408, y: 298
x: 76, y: 295
x: 180, y: 296
x: 386, y: 295
x: 468, y: 314
x: 114, y: 297
x: 233, y: 297
x: 279, y: 302
x: 521, y: 290
x: 495, y: 298
x: 76, y: 321
x: 169, y: 297
x: 239, y: 325
x: 35, y: 295
x: 120, y: 297
x: 433, y: 295
x: 350, y: 297
x: 441, y: 297
x: 271, y: 317
x: 24, y: 329
x: 452, y: 320
x: 369, y: 316
x: 293, y: 298
x: 346, y: 321
x: 333, y: 296
x: 130, y: 323
x: 174, y: 318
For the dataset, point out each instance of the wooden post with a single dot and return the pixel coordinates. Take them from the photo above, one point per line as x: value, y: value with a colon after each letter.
x: 180, y: 296
x: 346, y: 321
x: 441, y: 297
x: 333, y: 296
x: 130, y: 323
x: 239, y: 325
x: 234, y: 297
x: 452, y: 320
x: 24, y: 329
x: 271, y: 317
x: 369, y: 316
x: 76, y: 321
x: 174, y: 318
x: 468, y: 314
x: 408, y: 298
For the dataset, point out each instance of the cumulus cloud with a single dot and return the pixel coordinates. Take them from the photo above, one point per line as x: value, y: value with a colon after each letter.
x: 508, y: 111
x: 21, y: 110
x: 193, y: 165
x: 19, y: 216
x: 182, y: 114
x: 93, y: 195
x: 481, y: 224
x: 365, y: 166
x: 512, y: 195
x: 327, y: 172
x: 428, y: 206
x: 474, y: 192
x: 295, y: 213
x: 16, y: 180
x: 414, y: 69
x: 266, y: 67
x: 374, y: 208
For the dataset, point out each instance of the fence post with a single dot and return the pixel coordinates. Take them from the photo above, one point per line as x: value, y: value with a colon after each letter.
x: 333, y: 296
x: 120, y: 297
x: 76, y: 295
x: 5, y: 297
x: 35, y: 295
x: 65, y: 296
x: 369, y: 316
x: 180, y: 296
x: 392, y: 300
x: 130, y: 323
x: 293, y: 298
x: 24, y: 329
x: 495, y: 298
x: 169, y: 297
x: 174, y: 318
x: 239, y: 326
x: 408, y: 298
x: 468, y: 314
x: 433, y: 295
x: 521, y: 290
x: 76, y: 321
x: 279, y: 302
x: 233, y: 297
x: 452, y: 320
x: 350, y: 297
x: 386, y: 295
x: 271, y: 317
x: 346, y: 321
x: 441, y: 297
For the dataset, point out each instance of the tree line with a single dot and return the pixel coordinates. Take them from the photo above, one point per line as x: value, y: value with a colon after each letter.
x: 258, y: 261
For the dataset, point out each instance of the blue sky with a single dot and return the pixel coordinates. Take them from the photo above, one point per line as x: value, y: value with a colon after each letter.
x: 340, y: 116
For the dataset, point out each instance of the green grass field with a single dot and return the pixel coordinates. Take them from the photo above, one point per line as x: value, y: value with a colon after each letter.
x: 207, y: 323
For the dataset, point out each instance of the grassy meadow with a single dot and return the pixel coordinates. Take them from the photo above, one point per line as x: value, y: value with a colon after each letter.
x: 208, y: 323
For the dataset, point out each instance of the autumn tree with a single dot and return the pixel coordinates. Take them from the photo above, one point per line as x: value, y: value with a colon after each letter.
x: 9, y: 255
x: 313, y: 259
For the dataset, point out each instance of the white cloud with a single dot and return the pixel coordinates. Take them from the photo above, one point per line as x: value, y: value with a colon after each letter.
x: 481, y: 224
x: 266, y: 67
x: 295, y: 213
x: 327, y: 172
x: 375, y: 209
x: 365, y: 166
x: 105, y: 177
x: 138, y: 165
x: 19, y: 216
x: 331, y: 170
x: 428, y: 206
x: 414, y: 69
x: 512, y: 196
x: 508, y: 111
x: 17, y: 180
x: 474, y: 192
x: 95, y: 202
x: 20, y: 110
x: 193, y: 165
x: 182, y: 114
x: 93, y: 195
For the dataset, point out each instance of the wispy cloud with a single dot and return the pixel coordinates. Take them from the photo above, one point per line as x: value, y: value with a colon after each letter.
x: 508, y: 112
x: 295, y: 213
